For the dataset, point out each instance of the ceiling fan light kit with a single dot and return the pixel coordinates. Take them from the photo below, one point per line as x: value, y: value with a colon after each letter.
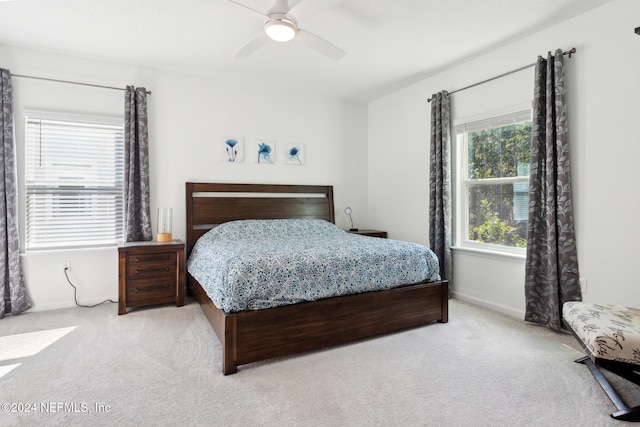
x: 280, y: 28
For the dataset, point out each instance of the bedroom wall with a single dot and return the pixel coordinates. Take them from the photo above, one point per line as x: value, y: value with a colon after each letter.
x: 603, y: 94
x: 187, y: 117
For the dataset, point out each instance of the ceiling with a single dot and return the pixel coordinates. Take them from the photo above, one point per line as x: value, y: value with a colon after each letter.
x: 389, y: 43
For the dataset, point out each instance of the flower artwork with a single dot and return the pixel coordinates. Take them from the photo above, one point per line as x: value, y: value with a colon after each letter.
x: 294, y: 154
x: 232, y: 150
x: 266, y: 152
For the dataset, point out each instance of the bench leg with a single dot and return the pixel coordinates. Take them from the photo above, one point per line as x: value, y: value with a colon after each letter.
x: 629, y: 414
x: 624, y: 412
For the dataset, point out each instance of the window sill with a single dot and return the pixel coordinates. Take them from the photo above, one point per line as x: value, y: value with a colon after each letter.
x: 484, y: 253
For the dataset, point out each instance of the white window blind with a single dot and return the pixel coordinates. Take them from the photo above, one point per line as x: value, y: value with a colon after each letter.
x: 74, y: 182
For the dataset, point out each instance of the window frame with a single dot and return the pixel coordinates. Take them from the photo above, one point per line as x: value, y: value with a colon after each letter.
x: 462, y: 181
x: 29, y: 115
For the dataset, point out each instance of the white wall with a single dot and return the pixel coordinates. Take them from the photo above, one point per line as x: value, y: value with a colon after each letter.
x: 376, y: 157
x: 604, y: 107
x: 187, y: 117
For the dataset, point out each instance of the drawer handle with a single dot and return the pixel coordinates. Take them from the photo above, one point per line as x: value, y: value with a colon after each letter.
x: 165, y: 269
x: 167, y: 258
x: 138, y: 290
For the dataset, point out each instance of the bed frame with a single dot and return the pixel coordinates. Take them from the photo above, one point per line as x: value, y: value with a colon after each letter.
x: 251, y: 336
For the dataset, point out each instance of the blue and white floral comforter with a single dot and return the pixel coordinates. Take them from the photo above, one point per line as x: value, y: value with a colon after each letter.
x: 256, y: 264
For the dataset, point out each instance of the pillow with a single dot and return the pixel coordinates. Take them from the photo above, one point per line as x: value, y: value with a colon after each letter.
x: 274, y: 229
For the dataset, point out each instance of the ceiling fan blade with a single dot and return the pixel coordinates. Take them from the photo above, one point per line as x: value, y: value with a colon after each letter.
x: 320, y: 45
x: 253, y: 45
x: 308, y: 8
x: 248, y: 8
x: 279, y: 6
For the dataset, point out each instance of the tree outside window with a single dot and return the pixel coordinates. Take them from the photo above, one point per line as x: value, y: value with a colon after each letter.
x: 495, y: 179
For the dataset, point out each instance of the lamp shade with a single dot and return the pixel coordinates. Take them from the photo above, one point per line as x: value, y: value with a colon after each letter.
x: 348, y: 212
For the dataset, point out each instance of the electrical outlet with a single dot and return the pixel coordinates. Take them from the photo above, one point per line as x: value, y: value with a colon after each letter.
x: 66, y: 265
x: 583, y: 285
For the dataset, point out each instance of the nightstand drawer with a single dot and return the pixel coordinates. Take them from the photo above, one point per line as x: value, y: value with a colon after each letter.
x: 151, y: 265
x: 153, y: 288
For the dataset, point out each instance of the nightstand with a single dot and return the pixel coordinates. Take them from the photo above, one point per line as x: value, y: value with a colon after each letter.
x: 150, y: 273
x: 371, y: 233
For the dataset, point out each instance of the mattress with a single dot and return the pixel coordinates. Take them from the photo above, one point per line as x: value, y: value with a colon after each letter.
x: 257, y: 264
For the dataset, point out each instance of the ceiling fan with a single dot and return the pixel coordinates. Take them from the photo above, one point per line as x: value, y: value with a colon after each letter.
x: 281, y: 25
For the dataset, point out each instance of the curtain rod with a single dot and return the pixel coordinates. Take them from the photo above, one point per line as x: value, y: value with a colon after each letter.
x: 148, y: 92
x: 569, y: 52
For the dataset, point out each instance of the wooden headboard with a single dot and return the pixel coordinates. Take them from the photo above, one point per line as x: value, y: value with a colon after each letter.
x: 210, y: 204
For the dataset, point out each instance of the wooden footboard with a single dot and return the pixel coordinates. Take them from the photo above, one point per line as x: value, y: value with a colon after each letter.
x: 251, y: 336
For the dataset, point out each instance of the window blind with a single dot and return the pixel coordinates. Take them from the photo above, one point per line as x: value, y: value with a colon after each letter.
x: 74, y: 182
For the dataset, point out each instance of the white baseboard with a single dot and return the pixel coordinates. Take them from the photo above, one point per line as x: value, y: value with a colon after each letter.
x: 68, y: 304
x: 509, y: 311
x: 50, y: 306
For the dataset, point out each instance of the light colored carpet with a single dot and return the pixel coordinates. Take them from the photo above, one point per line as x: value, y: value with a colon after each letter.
x: 161, y: 366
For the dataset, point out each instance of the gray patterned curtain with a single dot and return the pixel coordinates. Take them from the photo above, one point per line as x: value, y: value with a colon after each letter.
x: 136, y: 166
x: 551, y: 265
x: 440, y: 183
x: 14, y: 295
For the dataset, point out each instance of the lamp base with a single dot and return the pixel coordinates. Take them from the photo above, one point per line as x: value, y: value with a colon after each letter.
x: 163, y: 237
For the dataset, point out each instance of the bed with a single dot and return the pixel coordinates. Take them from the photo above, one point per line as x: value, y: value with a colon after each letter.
x: 252, y: 334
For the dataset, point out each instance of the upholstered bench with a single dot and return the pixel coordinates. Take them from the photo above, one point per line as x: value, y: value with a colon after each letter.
x: 611, y: 337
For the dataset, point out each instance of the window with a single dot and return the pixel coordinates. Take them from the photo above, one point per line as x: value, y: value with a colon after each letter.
x: 493, y: 181
x: 74, y: 181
